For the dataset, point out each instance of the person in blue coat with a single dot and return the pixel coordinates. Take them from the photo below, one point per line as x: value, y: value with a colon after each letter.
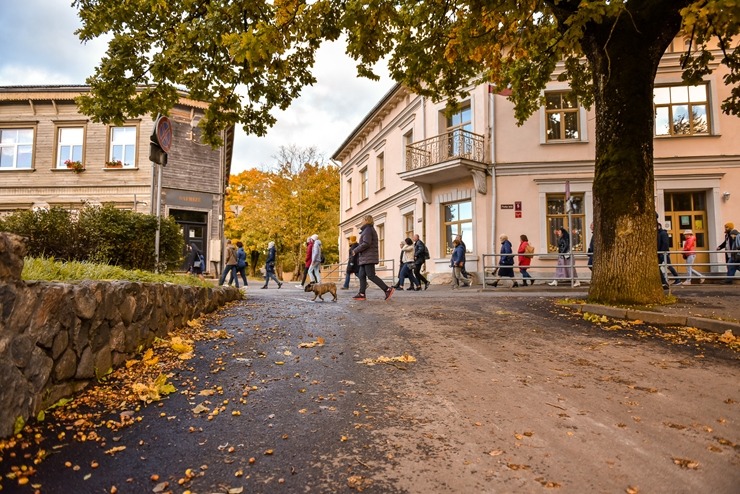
x: 506, y: 262
x: 458, y: 262
x: 270, y: 266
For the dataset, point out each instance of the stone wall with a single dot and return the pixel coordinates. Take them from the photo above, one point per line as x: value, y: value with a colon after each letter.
x: 56, y: 337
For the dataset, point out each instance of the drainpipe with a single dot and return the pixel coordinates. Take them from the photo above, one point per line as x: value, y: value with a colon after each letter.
x: 492, y: 168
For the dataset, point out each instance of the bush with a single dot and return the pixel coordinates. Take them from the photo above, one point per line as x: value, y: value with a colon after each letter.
x: 100, y: 234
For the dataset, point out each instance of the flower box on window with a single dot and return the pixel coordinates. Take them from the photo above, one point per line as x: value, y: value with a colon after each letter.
x: 76, y: 166
x: 114, y: 164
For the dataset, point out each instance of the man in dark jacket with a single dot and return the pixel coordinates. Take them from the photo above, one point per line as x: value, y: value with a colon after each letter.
x: 368, y: 257
x: 420, y: 257
x: 664, y: 256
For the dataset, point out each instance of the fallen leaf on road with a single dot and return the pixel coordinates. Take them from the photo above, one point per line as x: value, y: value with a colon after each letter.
x: 200, y: 408
x: 319, y: 342
x: 115, y: 450
x: 495, y: 452
x: 686, y: 463
x: 405, y: 358
x: 180, y: 345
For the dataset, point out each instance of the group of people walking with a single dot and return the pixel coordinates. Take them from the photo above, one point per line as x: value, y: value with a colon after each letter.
x: 364, y: 255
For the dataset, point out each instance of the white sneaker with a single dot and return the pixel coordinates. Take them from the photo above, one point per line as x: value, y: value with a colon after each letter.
x: 577, y: 283
x: 702, y: 280
x: 553, y: 283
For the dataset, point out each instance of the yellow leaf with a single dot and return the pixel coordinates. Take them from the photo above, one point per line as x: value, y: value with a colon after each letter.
x: 115, y: 450
x: 180, y: 346
x: 279, y: 362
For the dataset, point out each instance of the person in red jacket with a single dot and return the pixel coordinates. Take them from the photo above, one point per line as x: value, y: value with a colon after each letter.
x: 524, y: 259
x: 309, y: 258
x: 689, y: 253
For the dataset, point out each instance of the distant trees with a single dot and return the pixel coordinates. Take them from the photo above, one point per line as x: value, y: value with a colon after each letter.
x: 100, y: 234
x: 286, y: 206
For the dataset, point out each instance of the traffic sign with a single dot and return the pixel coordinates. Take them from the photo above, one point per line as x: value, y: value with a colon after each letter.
x: 163, y: 133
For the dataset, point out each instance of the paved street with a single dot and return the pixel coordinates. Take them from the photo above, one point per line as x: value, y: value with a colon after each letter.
x: 480, y: 392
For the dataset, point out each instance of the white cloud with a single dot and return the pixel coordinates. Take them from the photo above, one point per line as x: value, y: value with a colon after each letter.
x: 40, y: 47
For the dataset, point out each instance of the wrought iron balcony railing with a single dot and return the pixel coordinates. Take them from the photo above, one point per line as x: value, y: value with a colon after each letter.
x: 450, y: 145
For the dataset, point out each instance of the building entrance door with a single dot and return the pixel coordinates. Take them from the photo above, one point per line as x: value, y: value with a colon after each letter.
x: 684, y: 211
x: 194, y: 227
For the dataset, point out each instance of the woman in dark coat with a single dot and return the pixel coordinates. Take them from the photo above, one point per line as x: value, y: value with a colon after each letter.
x: 506, y: 262
x: 270, y: 266
x: 352, y: 266
x: 368, y: 257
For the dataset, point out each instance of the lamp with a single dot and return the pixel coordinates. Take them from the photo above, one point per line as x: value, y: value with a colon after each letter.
x: 726, y: 196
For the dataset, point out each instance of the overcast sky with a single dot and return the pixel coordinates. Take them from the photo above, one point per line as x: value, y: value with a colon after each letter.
x: 39, y: 47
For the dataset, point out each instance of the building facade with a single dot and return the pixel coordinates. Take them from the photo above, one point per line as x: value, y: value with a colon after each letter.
x: 42, y: 130
x: 418, y: 167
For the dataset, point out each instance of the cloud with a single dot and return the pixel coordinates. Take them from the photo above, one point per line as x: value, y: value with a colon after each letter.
x: 40, y: 48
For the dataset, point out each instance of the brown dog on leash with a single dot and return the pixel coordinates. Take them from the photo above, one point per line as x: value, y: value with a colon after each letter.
x: 321, y: 288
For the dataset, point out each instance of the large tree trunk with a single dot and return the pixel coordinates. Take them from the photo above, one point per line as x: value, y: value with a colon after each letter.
x: 624, y: 56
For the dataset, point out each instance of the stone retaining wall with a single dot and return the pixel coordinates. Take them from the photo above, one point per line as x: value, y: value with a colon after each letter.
x: 55, y: 338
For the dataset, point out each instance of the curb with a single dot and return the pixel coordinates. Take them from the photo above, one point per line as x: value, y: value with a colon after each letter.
x: 713, y: 325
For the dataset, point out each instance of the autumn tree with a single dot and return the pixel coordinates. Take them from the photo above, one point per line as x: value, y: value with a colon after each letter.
x: 286, y: 205
x: 246, y: 57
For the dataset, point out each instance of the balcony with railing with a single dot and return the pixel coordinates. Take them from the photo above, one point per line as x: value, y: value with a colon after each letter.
x: 445, y: 157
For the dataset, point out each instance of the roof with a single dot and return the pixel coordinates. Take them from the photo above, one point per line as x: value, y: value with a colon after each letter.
x: 378, y: 112
x: 69, y: 93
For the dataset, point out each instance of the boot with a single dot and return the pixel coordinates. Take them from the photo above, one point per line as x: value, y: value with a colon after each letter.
x: 516, y: 285
x: 495, y: 283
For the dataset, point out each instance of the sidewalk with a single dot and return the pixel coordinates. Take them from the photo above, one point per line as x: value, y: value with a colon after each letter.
x: 713, y: 308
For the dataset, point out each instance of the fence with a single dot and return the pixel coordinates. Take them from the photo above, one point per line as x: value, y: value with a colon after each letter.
x: 544, y: 270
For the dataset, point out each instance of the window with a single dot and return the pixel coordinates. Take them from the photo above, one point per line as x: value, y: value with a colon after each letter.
x: 123, y: 145
x: 557, y: 216
x: 380, y: 161
x: 458, y: 220
x: 408, y: 139
x: 562, y: 116
x: 16, y: 148
x: 458, y: 124
x: 349, y: 193
x: 69, y: 145
x: 681, y: 110
x: 363, y: 184
x: 408, y: 226
x: 380, y: 230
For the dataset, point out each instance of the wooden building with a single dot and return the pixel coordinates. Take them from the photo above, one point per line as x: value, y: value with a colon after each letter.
x: 42, y: 130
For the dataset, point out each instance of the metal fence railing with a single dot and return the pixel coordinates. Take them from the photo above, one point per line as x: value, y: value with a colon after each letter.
x: 544, y: 265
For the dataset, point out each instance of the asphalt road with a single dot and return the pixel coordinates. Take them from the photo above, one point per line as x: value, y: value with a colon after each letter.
x: 484, y: 392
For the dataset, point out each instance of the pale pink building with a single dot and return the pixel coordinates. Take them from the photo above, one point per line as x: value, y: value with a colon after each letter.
x: 418, y: 169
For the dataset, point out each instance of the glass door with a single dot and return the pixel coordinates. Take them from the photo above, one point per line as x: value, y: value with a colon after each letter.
x: 687, y: 211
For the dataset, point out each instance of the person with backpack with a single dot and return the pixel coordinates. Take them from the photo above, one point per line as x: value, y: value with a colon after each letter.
x: 270, y: 267
x: 733, y: 265
x: 196, y: 262
x: 230, y: 265
x: 421, y: 254
x: 526, y: 252
x: 352, y: 266
x: 727, y: 245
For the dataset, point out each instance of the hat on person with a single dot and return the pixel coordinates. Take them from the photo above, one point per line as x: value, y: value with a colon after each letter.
x: 315, y: 237
x: 729, y: 225
x: 352, y: 239
x: 688, y: 232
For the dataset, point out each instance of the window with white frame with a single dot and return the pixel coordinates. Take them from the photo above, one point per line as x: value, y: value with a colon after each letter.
x: 457, y: 219
x: 681, y: 110
x: 380, y: 162
x: 562, y: 116
x: 69, y: 145
x: 380, y: 230
x: 408, y: 139
x: 458, y: 124
x: 123, y: 145
x: 16, y: 148
x: 408, y: 225
x: 349, y: 193
x: 557, y: 217
x: 364, y: 186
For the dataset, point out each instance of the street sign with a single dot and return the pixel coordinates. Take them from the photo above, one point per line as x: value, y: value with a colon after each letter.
x: 163, y: 133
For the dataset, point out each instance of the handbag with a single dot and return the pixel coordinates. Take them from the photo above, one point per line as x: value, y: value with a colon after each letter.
x: 529, y: 251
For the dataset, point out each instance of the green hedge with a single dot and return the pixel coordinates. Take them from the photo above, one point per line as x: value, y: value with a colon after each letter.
x: 98, y: 234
